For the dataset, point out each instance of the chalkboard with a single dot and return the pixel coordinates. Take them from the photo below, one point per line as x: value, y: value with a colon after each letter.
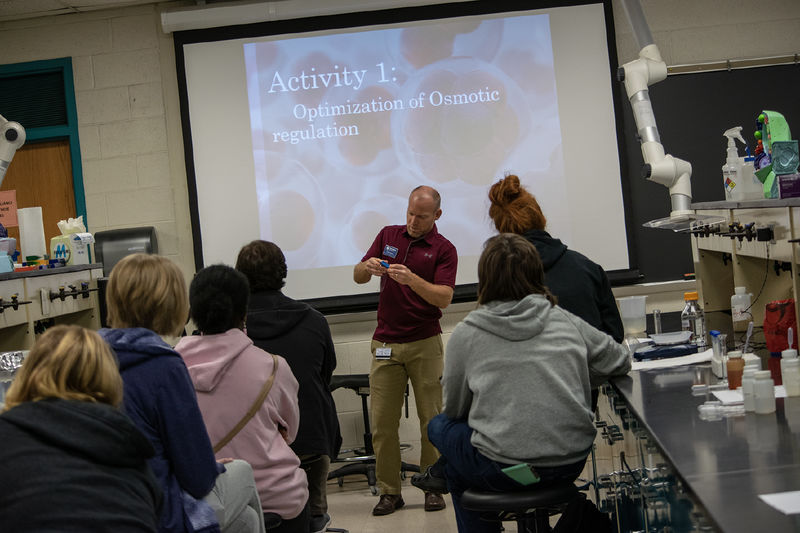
x: 692, y: 111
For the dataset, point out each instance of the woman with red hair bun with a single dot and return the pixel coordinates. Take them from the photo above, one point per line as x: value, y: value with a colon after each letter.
x: 581, y: 285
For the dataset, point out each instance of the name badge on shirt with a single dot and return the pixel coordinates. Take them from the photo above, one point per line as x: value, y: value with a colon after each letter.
x: 383, y: 353
x: 390, y: 251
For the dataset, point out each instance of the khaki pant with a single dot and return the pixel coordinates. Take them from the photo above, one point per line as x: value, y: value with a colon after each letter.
x: 421, y: 362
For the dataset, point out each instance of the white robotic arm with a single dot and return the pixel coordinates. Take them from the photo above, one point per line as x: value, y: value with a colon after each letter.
x: 659, y: 167
x: 12, y: 136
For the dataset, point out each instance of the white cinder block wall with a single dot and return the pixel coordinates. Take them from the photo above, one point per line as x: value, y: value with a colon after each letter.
x: 130, y: 131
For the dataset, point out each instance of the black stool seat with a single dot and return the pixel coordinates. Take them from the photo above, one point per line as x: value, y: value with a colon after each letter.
x: 531, y: 509
x: 551, y: 496
x: 350, y: 381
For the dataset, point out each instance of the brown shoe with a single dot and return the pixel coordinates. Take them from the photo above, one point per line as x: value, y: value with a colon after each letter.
x: 388, y: 504
x: 434, y: 501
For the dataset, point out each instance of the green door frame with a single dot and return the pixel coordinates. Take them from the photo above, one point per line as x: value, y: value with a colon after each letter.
x: 67, y: 131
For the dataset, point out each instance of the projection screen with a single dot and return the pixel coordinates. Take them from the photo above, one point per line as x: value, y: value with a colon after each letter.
x: 314, y: 139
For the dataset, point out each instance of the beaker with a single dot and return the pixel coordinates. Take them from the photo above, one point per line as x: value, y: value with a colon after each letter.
x: 632, y: 311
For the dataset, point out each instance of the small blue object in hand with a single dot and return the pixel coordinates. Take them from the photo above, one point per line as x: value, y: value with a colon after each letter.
x: 384, y: 264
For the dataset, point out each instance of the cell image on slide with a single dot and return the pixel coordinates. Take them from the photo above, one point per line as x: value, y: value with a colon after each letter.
x: 345, y: 125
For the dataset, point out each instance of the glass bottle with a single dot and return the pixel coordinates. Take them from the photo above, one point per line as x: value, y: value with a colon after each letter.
x: 693, y: 319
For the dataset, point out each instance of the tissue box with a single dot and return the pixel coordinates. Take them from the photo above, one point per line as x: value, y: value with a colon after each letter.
x: 74, y: 248
x: 789, y: 185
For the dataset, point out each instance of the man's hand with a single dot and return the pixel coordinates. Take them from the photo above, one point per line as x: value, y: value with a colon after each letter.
x: 401, y: 274
x: 363, y: 272
x: 374, y: 266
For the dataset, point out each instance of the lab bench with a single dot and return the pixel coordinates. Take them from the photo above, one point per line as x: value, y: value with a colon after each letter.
x: 673, y: 471
x: 34, y: 300
x: 735, y: 253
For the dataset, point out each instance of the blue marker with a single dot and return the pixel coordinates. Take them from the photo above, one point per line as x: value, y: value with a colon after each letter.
x: 384, y: 264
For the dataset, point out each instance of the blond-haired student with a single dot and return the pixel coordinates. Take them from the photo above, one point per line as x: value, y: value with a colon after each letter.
x: 70, y: 459
x: 146, y: 298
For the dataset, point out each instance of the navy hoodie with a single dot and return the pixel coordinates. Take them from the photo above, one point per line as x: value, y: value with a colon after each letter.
x: 160, y: 399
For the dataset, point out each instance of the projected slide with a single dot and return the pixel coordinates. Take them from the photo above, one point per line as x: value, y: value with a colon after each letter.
x: 314, y: 140
x: 345, y: 126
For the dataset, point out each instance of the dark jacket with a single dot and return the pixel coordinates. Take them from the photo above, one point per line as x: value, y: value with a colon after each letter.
x: 300, y: 334
x: 74, y: 466
x: 160, y: 399
x: 580, y: 284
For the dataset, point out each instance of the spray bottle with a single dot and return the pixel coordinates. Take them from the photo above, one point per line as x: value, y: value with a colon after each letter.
x: 732, y: 169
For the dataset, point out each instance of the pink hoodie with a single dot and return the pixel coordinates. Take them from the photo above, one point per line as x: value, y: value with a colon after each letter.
x: 228, y: 373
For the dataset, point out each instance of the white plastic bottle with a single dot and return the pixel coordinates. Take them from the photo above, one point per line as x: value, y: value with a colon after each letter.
x: 748, y: 382
x: 740, y: 308
x: 790, y: 372
x: 751, y: 187
x: 764, y: 391
x: 732, y: 169
x: 693, y: 319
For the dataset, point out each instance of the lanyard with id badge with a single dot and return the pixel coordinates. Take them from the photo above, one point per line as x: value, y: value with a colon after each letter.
x: 383, y: 353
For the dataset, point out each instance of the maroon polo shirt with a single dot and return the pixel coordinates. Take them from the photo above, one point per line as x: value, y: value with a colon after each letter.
x: 403, y: 315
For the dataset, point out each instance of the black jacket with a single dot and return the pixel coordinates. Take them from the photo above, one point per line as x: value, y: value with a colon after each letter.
x: 300, y: 334
x: 75, y: 466
x: 580, y: 284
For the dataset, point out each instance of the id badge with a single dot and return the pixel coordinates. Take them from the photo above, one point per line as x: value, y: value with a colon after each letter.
x: 383, y: 353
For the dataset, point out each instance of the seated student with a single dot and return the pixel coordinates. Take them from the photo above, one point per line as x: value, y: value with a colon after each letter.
x: 295, y: 330
x: 146, y: 297
x: 580, y: 284
x: 517, y: 380
x: 231, y: 376
x: 69, y: 458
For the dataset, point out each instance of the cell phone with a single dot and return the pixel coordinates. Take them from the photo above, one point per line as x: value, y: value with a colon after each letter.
x: 522, y: 474
x: 384, y: 264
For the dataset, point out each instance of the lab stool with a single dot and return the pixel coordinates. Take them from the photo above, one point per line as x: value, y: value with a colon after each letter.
x: 363, y: 460
x: 530, y: 509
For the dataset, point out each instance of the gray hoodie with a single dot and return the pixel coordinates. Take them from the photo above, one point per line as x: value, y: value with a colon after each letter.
x: 521, y: 372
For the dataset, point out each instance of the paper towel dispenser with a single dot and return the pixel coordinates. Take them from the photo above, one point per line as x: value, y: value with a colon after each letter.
x: 112, y: 245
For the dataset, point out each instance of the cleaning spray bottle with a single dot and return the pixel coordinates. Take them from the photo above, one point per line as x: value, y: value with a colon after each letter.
x: 732, y: 169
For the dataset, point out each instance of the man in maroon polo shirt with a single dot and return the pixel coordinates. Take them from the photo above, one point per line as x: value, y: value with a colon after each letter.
x: 415, y: 286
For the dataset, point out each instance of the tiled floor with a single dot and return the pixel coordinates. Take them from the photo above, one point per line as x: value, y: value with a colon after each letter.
x: 350, y: 507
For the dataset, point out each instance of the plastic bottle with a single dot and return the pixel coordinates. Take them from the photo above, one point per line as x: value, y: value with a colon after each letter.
x: 740, y: 308
x: 749, y: 362
x: 752, y: 188
x: 764, y: 391
x: 735, y: 367
x: 748, y: 381
x: 732, y: 169
x: 693, y: 319
x: 790, y: 372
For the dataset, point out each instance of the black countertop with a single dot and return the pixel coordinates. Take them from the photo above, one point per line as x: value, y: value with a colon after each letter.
x: 726, y: 463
